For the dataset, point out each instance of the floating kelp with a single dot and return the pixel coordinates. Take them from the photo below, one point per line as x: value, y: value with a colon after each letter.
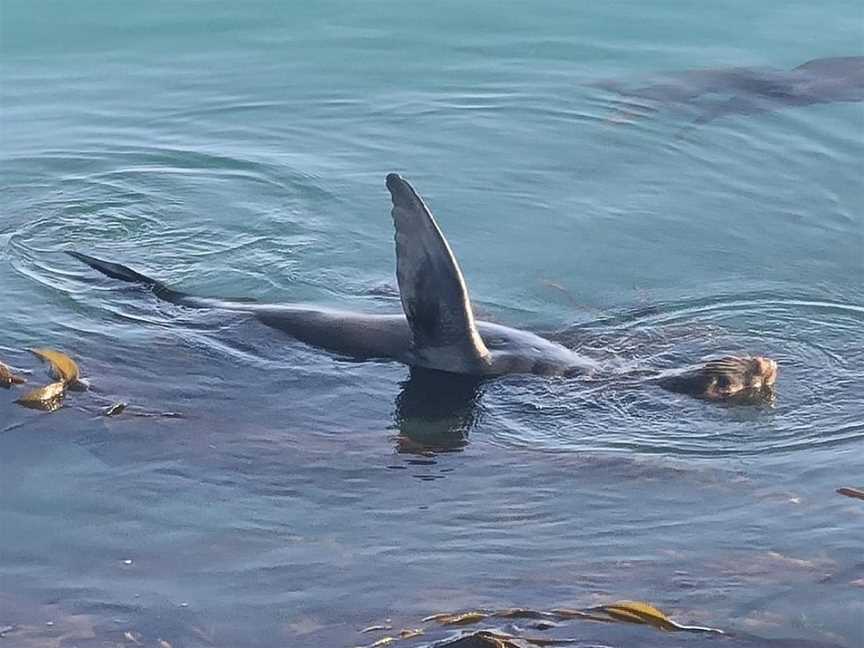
x: 637, y: 612
x: 407, y: 633
x: 115, y: 410
x: 521, y: 613
x: 621, y: 611
x: 7, y: 378
x: 68, y: 377
x: 464, y: 618
x: 63, y: 367
x: 48, y: 398
x: 495, y: 639
x: 65, y: 370
x: 383, y: 641
x: 851, y: 492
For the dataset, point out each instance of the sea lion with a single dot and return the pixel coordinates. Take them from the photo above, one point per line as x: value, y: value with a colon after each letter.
x: 437, y: 330
x: 720, y: 92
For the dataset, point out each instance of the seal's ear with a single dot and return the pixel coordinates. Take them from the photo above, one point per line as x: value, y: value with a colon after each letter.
x: 433, y: 292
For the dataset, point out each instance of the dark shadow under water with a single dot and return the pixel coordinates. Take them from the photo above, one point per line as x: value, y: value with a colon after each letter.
x: 435, y: 411
x: 720, y: 92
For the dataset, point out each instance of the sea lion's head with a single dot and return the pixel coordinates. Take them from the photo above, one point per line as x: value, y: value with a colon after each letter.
x: 737, y: 379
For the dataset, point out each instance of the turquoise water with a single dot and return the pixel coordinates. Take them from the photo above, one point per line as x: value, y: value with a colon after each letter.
x: 240, y: 149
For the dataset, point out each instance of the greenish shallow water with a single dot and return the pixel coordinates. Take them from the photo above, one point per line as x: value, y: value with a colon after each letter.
x: 239, y: 149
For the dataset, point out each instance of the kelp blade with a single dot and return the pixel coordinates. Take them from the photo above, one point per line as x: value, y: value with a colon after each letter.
x: 639, y: 612
x: 65, y: 368
x: 48, y: 398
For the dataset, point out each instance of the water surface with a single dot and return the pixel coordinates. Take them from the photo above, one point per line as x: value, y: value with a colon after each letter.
x: 239, y: 149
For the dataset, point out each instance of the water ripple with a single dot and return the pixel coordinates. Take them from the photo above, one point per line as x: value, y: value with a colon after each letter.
x: 815, y: 341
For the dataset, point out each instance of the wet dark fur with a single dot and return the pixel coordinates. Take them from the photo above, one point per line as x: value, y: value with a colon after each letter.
x: 726, y: 378
x: 360, y: 336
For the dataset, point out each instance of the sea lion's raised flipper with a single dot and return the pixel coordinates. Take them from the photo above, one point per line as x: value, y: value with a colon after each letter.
x: 432, y: 289
x: 114, y: 270
x: 124, y: 273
